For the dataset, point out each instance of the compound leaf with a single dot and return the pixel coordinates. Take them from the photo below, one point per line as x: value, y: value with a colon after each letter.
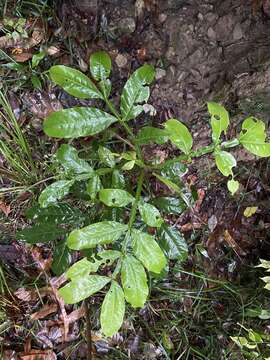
x: 115, y: 197
x: 74, y: 82
x: 76, y: 122
x: 173, y: 243
x: 150, y: 214
x: 179, y: 135
x: 149, y: 135
x: 134, y: 281
x: 147, y: 250
x: 68, y: 157
x: 82, y: 287
x: 100, y: 233
x: 112, y: 310
x: 42, y: 233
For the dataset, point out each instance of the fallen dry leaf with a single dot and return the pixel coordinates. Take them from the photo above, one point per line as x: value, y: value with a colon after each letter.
x: 22, y: 57
x: 6, y: 209
x: 45, y: 311
x: 38, y: 355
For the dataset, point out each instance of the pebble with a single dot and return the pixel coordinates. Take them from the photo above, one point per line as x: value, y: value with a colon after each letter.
x: 237, y: 32
x: 127, y: 25
x: 162, y: 18
x: 211, y: 34
x: 160, y: 73
x: 121, y: 61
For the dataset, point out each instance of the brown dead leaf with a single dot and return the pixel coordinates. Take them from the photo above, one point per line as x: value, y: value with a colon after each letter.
x: 45, y: 311
x: 43, y: 264
x: 6, y: 209
x: 22, y: 57
x: 38, y: 355
x: 41, y: 104
x: 233, y: 244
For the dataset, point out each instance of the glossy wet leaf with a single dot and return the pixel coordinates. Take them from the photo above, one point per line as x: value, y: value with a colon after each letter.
x: 253, y: 136
x: 100, y: 65
x: 136, y: 92
x: 81, y: 268
x: 94, y: 186
x: 74, y: 82
x: 68, y: 157
x: 115, y: 197
x: 152, y: 135
x: 179, y: 135
x: 150, y: 214
x: 103, y: 232
x: 82, y: 287
x: 106, y: 156
x: 61, y: 258
x: 233, y: 186
x: 54, y: 192
x: 77, y: 122
x: 225, y: 162
x: 174, y: 171
x: 147, y: 250
x: 41, y: 233
x: 173, y: 243
x: 118, y: 180
x: 112, y: 310
x: 170, y: 205
x: 219, y: 119
x: 134, y: 281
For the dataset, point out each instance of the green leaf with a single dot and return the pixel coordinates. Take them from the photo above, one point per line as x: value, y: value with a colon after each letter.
x: 100, y: 65
x: 54, y: 192
x: 225, y: 162
x: 233, y: 186
x: 94, y: 186
x: 68, y: 157
x: 100, y: 233
x: 174, y: 171
x: 135, y: 92
x: 42, y: 233
x: 74, y: 82
x: 179, y: 135
x: 112, y: 310
x: 61, y: 258
x: 134, y: 281
x: 170, y: 205
x: 252, y: 137
x: 147, y: 250
x: 82, y: 287
x: 173, y: 243
x: 128, y: 165
x: 76, y: 122
x: 81, y: 268
x: 219, y: 120
x: 118, y: 180
x: 106, y: 156
x: 150, y: 135
x: 109, y: 255
x: 150, y: 214
x: 115, y: 197
x: 37, y: 58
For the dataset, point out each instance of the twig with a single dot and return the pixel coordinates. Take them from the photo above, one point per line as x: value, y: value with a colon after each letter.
x: 88, y: 330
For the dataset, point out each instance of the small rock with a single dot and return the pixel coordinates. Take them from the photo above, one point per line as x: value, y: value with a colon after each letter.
x: 200, y: 16
x: 127, y: 25
x: 237, y: 32
x: 162, y: 18
x: 160, y: 73
x: 121, y: 61
x: 212, y: 223
x: 211, y: 34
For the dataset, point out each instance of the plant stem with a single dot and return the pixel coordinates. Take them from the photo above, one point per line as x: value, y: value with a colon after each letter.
x: 137, y: 198
x: 88, y: 329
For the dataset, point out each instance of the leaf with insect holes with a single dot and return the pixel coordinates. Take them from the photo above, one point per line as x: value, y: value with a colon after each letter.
x: 100, y: 65
x: 82, y: 287
x: 179, y: 135
x: 68, y: 157
x: 112, y: 310
x: 152, y: 135
x: 40, y: 233
x: 136, y: 92
x: 74, y: 82
x: 173, y: 243
x: 54, y: 192
x: 147, y: 250
x: 233, y: 186
x: 252, y: 137
x: 134, y: 281
x: 150, y: 214
x: 93, y: 186
x: 225, y: 162
x: 219, y: 120
x: 77, y: 122
x: 115, y: 197
x: 104, y: 232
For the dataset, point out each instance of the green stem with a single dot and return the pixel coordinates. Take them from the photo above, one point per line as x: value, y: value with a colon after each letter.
x: 137, y: 199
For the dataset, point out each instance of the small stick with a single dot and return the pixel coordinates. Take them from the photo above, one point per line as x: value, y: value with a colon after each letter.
x: 88, y: 329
